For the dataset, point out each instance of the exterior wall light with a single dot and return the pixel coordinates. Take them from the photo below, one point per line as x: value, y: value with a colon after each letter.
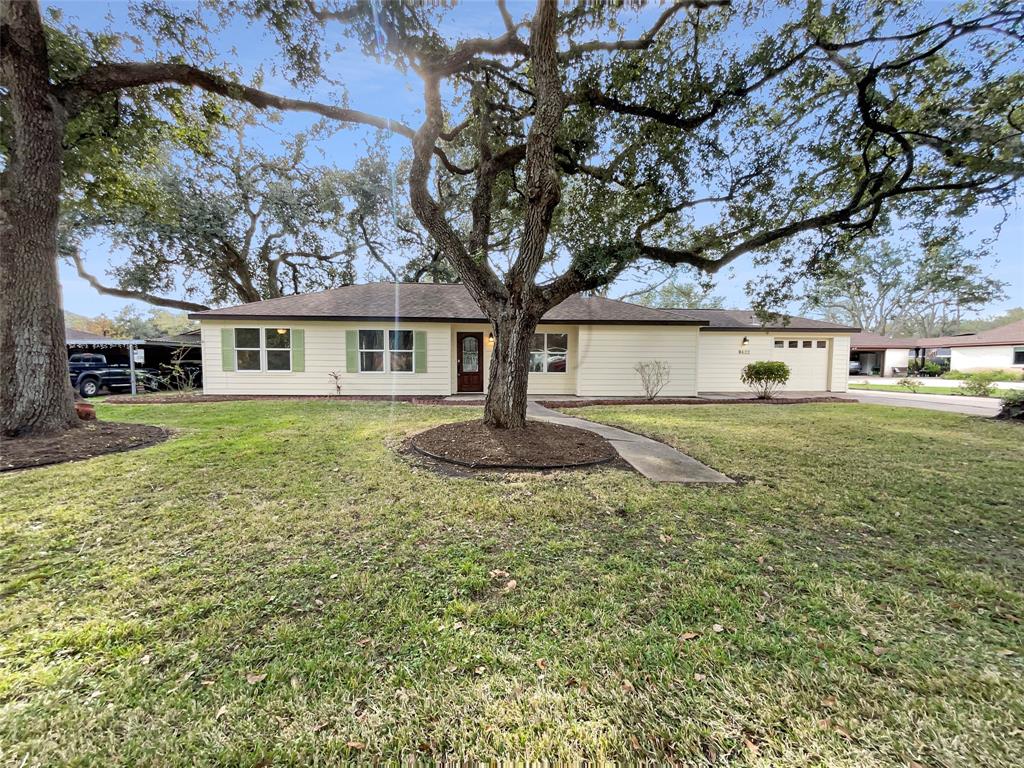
x: 745, y: 342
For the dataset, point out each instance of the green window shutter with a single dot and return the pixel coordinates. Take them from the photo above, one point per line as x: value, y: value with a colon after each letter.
x: 298, y: 350
x: 419, y: 356
x: 352, y: 351
x: 227, y: 349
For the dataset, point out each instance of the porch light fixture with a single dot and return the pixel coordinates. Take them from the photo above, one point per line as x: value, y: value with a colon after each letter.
x: 490, y: 337
x: 745, y: 342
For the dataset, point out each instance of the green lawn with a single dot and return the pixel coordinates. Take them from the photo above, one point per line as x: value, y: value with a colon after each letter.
x: 922, y: 390
x: 276, y: 583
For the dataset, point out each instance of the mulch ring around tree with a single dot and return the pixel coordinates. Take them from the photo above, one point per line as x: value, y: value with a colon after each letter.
x: 538, y: 446
x: 93, y: 438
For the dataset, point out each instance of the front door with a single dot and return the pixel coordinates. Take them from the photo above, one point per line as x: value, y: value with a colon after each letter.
x: 470, y: 361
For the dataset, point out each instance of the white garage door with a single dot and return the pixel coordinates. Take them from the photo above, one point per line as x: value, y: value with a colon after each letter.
x: 807, y: 360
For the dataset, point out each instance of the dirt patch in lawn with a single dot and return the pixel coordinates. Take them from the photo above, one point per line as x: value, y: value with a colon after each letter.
x: 538, y: 446
x: 94, y: 438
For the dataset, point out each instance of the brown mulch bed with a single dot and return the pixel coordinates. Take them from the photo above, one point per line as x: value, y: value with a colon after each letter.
x: 539, y: 446
x: 93, y: 438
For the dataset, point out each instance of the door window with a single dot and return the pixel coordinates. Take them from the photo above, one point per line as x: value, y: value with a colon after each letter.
x: 470, y: 354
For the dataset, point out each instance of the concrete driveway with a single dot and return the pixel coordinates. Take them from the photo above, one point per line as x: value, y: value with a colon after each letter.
x: 972, y: 406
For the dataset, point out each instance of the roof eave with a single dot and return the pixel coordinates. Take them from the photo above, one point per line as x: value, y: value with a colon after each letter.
x: 774, y: 329
x: 391, y: 318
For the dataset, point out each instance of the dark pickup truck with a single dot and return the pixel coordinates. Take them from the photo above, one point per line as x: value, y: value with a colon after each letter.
x: 90, y: 373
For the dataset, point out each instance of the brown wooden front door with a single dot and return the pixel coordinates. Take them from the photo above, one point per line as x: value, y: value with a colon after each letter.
x: 470, y: 356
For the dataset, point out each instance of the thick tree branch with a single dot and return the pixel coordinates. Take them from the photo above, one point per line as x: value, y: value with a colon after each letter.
x: 542, y: 184
x: 149, y: 298
x: 646, y: 39
x: 105, y: 78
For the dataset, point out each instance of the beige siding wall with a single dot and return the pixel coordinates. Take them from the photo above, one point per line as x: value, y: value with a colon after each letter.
x: 325, y: 352
x: 538, y: 383
x: 840, y: 375
x: 608, y: 354
x: 722, y: 357
x: 982, y: 359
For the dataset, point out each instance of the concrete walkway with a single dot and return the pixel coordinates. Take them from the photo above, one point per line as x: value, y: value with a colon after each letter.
x: 655, y: 461
x: 972, y: 406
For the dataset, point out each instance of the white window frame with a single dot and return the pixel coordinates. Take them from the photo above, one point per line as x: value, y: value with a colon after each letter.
x: 547, y: 353
x: 387, y: 350
x: 266, y: 349
x: 259, y: 349
x: 1013, y: 354
x: 262, y: 349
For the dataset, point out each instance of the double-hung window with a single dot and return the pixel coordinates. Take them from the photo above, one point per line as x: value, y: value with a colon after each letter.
x: 247, y: 349
x: 1018, y: 355
x: 371, y: 351
x: 279, y: 348
x: 387, y: 351
x: 549, y: 352
x: 263, y: 349
x: 400, y: 351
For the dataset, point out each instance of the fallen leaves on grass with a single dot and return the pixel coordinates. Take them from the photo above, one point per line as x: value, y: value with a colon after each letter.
x: 255, y: 677
x: 510, y: 585
x: 689, y: 636
x: 718, y: 628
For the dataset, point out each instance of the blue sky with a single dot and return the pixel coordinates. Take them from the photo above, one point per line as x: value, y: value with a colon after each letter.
x: 382, y: 90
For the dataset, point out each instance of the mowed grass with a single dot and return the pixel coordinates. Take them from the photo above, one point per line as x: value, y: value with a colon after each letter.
x: 276, y: 585
x: 922, y: 389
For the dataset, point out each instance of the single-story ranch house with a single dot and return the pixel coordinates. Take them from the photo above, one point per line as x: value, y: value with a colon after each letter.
x: 872, y: 354
x: 995, y: 349
x: 432, y: 339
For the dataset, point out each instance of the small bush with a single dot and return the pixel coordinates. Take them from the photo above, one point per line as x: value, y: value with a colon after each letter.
x: 996, y: 374
x: 912, y: 384
x: 654, y: 375
x: 765, y: 377
x: 978, y: 384
x: 1013, y: 405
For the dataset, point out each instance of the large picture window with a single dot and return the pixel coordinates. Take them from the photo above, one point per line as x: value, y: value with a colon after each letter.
x: 387, y: 351
x: 549, y: 352
x: 247, y: 349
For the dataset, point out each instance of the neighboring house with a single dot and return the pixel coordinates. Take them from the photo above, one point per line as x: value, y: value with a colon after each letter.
x: 432, y: 339
x: 149, y: 353
x: 995, y: 349
x: 874, y: 355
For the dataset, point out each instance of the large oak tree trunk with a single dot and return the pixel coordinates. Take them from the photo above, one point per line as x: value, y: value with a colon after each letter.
x: 505, y: 406
x: 35, y: 392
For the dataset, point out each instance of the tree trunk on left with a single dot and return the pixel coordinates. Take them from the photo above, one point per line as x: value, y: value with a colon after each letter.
x: 35, y: 392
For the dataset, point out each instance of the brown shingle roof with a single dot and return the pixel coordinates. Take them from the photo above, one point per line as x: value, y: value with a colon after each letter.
x: 866, y: 340
x: 1005, y: 334
x: 432, y: 302
x: 744, y: 319
x: 75, y: 333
